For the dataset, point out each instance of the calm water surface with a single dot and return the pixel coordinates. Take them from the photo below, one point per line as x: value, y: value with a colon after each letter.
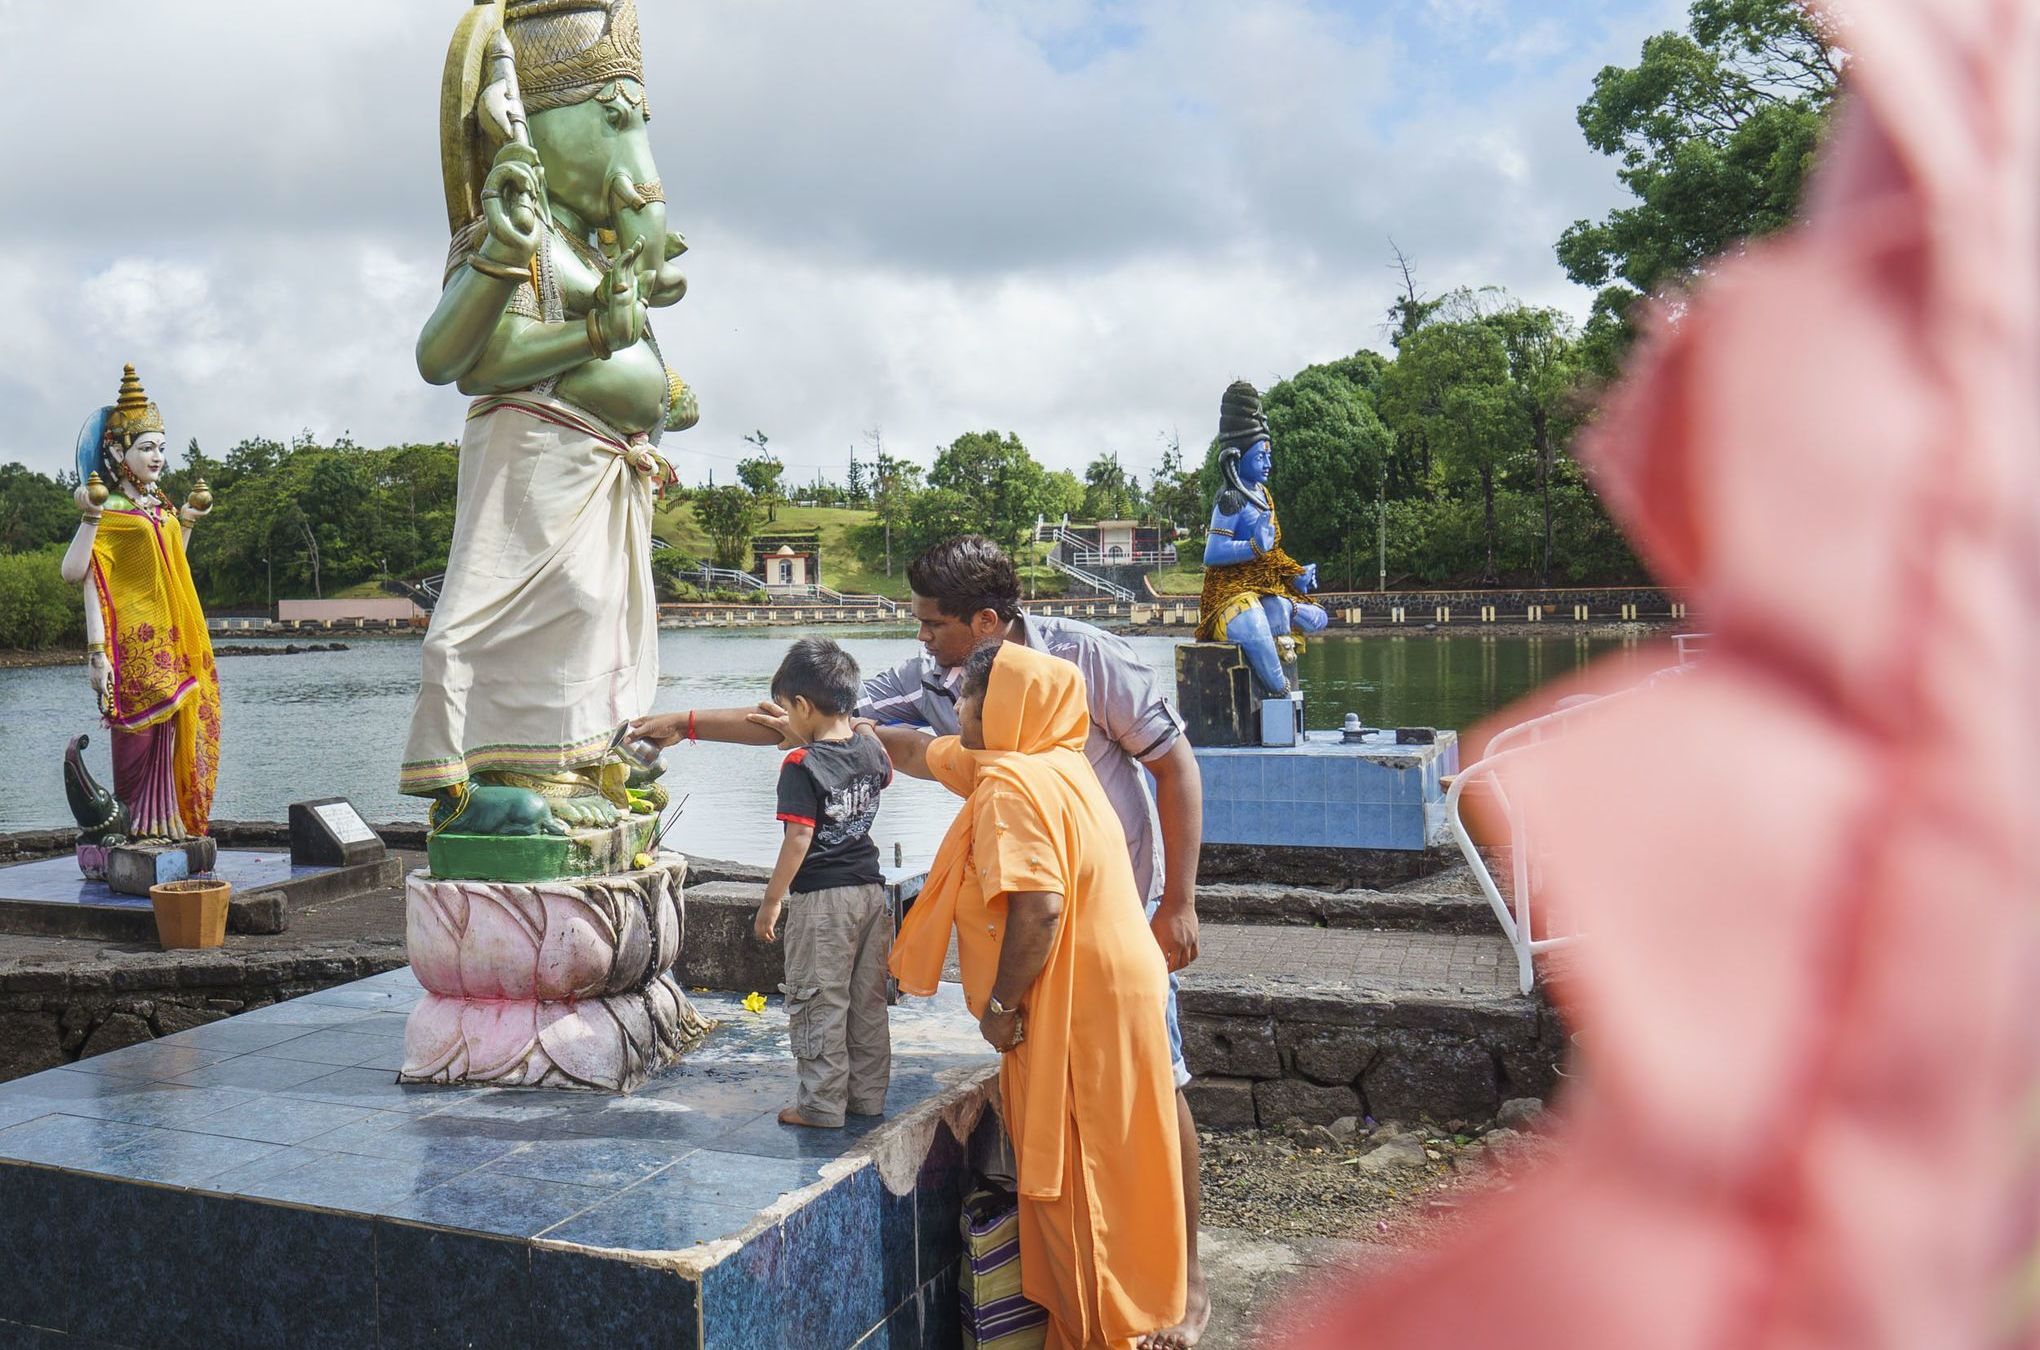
x: 333, y: 723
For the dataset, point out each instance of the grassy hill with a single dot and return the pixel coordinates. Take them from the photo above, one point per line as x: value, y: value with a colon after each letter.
x: 842, y: 568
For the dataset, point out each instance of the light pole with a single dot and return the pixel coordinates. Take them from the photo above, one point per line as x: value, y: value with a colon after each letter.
x: 1381, y: 532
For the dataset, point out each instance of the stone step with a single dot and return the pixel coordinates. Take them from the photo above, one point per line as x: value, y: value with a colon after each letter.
x: 1300, y: 906
x: 1290, y: 1022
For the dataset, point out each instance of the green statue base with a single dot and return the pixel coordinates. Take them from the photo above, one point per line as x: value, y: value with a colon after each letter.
x: 521, y: 858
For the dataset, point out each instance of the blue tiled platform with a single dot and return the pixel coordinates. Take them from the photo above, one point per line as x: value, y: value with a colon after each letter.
x: 264, y: 1181
x: 1325, y: 793
x: 55, y: 881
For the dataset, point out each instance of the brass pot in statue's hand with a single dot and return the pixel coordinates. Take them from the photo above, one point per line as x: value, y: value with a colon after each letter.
x: 200, y: 499
x: 96, y: 490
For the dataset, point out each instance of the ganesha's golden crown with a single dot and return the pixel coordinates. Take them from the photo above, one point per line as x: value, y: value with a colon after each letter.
x: 133, y: 415
x: 567, y: 50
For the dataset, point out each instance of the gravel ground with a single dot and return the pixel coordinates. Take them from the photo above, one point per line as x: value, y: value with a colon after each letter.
x: 1309, y: 1183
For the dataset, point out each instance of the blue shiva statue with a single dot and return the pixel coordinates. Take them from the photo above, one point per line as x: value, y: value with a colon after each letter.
x: 1253, y: 591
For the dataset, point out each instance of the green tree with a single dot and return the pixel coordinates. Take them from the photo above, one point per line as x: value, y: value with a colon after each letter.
x: 34, y: 510
x: 1004, y: 485
x: 1545, y: 370
x: 760, y: 474
x: 1065, y: 496
x: 1176, y: 492
x: 1450, y: 383
x: 895, y: 483
x: 1109, y: 494
x: 37, y: 610
x: 936, y: 515
x: 1330, y: 452
x: 1716, y: 129
x: 730, y: 516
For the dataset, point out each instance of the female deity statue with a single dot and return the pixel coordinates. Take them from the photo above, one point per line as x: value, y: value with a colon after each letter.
x: 544, y: 638
x: 148, y: 656
x: 1253, y: 591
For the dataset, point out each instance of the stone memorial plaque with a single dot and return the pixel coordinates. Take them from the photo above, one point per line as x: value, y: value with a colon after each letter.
x: 331, y: 833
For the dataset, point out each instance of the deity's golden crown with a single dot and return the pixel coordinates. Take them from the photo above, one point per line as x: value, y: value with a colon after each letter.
x: 133, y: 415
x: 567, y: 50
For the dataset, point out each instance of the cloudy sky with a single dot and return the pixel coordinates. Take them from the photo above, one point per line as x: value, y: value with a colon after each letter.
x: 1072, y: 219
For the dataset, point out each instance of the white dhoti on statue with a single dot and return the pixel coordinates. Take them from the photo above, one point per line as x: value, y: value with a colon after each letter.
x: 545, y: 636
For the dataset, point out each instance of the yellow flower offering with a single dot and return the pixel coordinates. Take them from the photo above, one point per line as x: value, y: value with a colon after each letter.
x: 754, y: 1002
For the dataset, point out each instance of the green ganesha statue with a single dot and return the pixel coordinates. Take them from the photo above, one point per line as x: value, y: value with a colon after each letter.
x: 544, y: 639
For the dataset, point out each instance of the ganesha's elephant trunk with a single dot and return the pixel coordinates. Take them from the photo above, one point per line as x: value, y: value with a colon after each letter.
x: 640, y: 215
x: 102, y: 818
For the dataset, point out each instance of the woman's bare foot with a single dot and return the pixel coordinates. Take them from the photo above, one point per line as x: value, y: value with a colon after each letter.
x: 1189, y: 1331
x: 792, y: 1116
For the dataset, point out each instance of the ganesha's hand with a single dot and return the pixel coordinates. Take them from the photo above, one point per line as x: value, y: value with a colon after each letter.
x: 619, y: 310
x: 510, y: 199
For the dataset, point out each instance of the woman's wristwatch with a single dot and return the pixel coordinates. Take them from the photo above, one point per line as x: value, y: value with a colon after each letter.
x: 996, y: 1008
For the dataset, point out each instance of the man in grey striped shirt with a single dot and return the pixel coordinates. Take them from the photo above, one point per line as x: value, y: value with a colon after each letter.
x: 966, y: 593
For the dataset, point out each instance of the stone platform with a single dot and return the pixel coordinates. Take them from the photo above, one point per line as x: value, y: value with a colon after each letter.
x: 49, y: 896
x: 1327, y: 794
x: 265, y: 1181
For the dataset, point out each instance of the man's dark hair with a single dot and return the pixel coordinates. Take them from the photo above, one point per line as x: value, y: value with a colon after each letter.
x: 977, y: 672
x: 965, y: 575
x: 819, y: 671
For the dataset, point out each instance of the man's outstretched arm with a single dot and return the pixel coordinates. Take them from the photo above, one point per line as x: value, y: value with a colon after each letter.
x: 733, y: 725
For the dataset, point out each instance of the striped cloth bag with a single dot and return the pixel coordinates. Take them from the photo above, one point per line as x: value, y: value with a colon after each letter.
x: 996, y: 1315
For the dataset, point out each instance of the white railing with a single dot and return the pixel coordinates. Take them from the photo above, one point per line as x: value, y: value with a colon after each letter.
x: 1083, y: 552
x: 1514, y: 744
x: 824, y: 595
x: 1097, y: 583
x: 728, y: 578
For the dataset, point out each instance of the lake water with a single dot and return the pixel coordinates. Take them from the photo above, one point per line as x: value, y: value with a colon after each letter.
x: 332, y: 724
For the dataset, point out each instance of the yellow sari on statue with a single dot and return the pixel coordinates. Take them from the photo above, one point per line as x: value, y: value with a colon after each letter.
x: 163, y: 701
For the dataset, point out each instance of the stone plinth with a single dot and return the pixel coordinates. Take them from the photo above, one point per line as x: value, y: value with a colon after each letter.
x: 548, y: 984
x: 131, y: 869
x: 1325, y: 793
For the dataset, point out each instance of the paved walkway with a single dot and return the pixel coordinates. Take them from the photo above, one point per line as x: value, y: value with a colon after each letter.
x: 1473, y: 963
x: 1259, y: 1284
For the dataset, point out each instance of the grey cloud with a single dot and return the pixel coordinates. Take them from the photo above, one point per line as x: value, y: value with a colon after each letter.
x: 902, y: 214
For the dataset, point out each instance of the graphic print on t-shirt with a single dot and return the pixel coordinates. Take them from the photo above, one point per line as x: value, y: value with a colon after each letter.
x: 833, y: 787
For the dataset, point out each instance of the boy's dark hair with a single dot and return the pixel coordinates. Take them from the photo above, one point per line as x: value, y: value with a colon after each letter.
x: 821, y: 672
x: 977, y: 672
x: 967, y: 574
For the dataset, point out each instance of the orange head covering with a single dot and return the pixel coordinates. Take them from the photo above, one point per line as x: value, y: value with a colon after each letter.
x: 1035, y: 704
x: 1036, y: 719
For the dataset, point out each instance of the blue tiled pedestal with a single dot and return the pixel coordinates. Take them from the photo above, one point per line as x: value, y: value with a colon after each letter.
x: 265, y: 1181
x: 1325, y: 793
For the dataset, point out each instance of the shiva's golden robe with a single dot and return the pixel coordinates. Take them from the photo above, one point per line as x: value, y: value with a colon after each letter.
x: 156, y: 643
x: 1088, y: 1095
x: 1235, y: 587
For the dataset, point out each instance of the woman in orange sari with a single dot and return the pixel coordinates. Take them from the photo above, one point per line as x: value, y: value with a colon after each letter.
x: 1060, y: 966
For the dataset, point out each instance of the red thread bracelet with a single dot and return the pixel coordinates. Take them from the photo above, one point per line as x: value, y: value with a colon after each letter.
x: 690, y: 726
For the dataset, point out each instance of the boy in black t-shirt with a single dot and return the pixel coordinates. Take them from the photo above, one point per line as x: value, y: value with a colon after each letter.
x: 828, y: 883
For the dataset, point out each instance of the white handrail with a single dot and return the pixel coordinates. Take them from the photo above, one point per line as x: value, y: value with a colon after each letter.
x: 1506, y: 745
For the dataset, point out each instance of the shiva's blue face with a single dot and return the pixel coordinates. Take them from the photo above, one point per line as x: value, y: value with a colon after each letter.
x: 1257, y: 464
